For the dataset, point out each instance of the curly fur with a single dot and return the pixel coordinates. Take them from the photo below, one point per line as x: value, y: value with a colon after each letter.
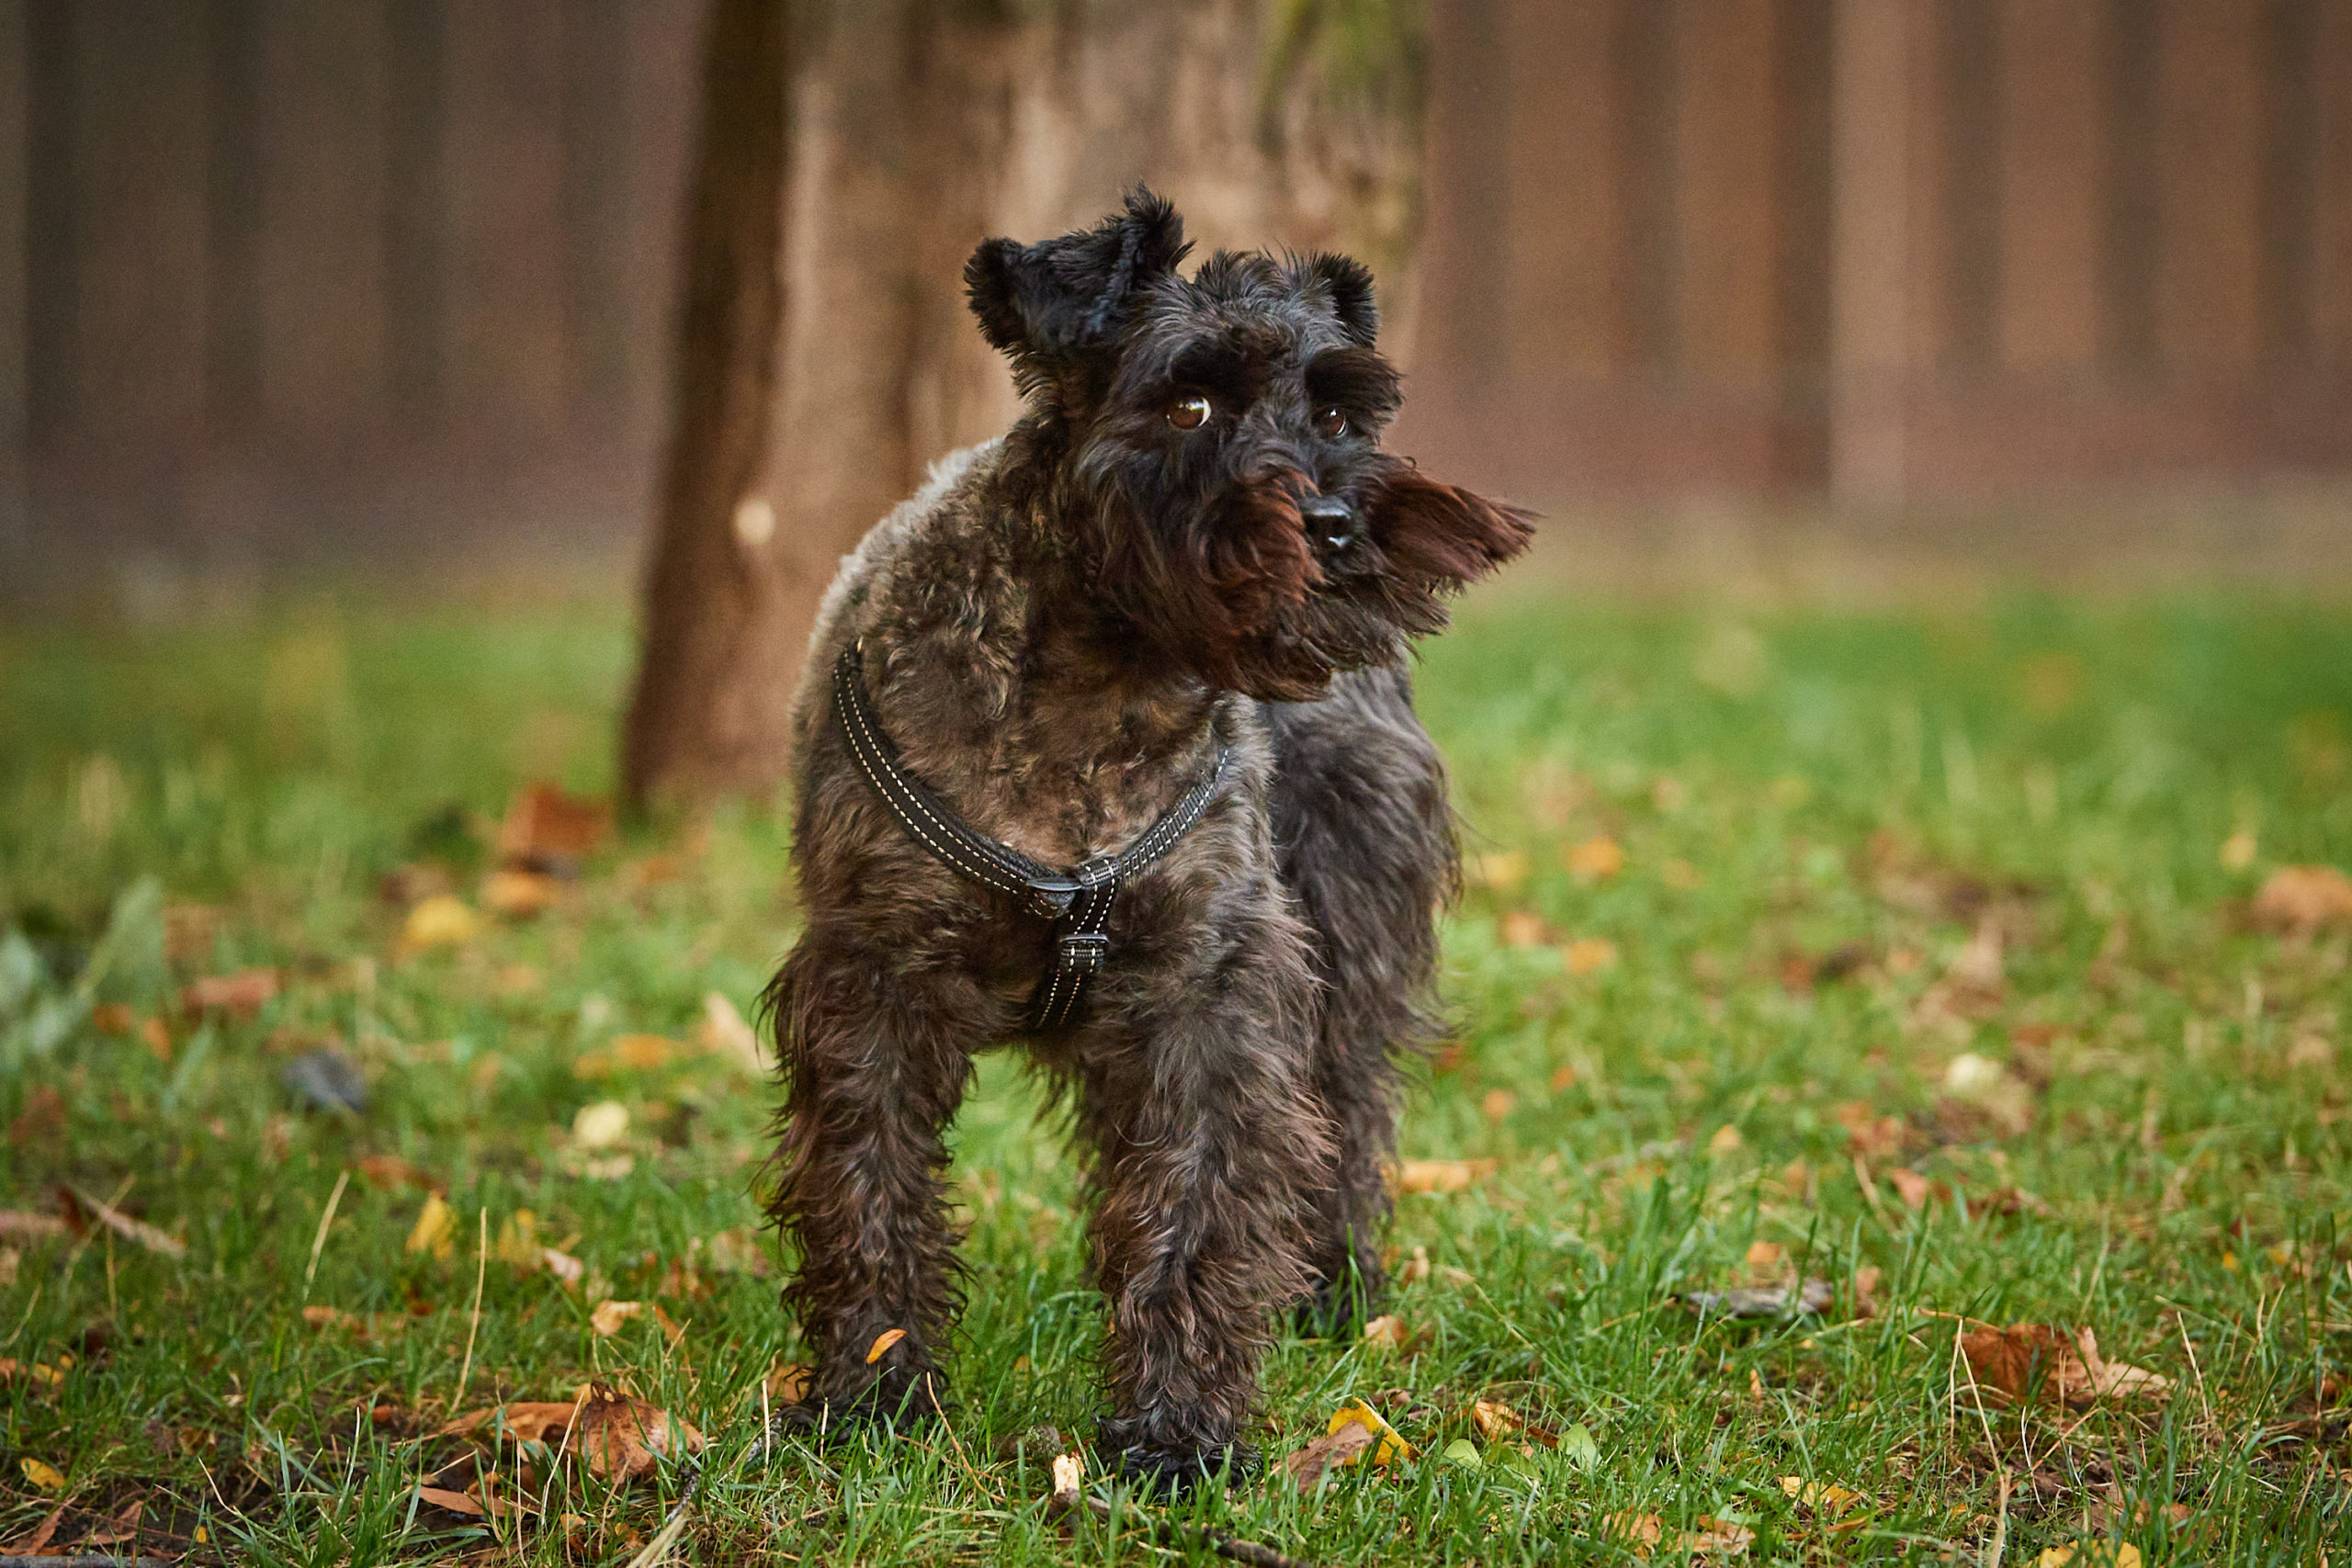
x: 1059, y: 631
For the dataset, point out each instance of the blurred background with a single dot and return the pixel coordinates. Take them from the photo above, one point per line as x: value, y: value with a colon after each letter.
x: 1816, y: 294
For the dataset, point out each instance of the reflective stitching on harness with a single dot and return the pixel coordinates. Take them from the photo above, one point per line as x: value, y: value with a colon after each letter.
x: 1078, y: 901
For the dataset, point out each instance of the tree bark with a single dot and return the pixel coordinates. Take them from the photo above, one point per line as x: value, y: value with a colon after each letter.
x: 703, y: 586
x: 917, y: 127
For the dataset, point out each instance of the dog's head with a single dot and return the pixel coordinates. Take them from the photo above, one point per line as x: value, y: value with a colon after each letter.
x: 1222, y: 442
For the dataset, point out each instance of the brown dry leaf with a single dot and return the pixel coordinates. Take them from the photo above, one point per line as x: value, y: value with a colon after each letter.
x: 436, y: 1228
x: 1498, y: 1104
x: 607, y: 1318
x: 1915, y: 1187
x: 1819, y: 1495
x: 2093, y: 1554
x: 1872, y: 1137
x: 241, y: 994
x: 366, y: 1326
x: 1641, y: 1531
x: 33, y: 1374
x: 1307, y: 1466
x: 81, y: 1206
x: 32, y: 1543
x: 882, y: 1343
x: 787, y: 1383
x: 2303, y: 898
x: 156, y: 1036
x: 623, y: 1438
x: 388, y: 1172
x: 1495, y: 1420
x: 1718, y: 1537
x: 519, y: 894
x: 1442, y: 1175
x: 1766, y: 1258
x: 1387, y: 1333
x: 568, y: 1269
x: 20, y: 1225
x: 525, y: 1421
x: 113, y: 1018
x: 1523, y: 930
x: 1596, y: 859
x: 544, y: 827
x: 122, y: 1527
x: 1867, y: 1280
x: 455, y: 1502
x: 2034, y: 1360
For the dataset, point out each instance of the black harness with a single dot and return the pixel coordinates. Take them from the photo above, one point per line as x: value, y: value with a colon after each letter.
x: 1078, y: 901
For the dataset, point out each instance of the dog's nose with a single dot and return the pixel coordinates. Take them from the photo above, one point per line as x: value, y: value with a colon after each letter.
x: 1330, y: 519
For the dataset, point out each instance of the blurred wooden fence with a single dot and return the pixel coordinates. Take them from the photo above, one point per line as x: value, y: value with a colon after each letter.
x: 1888, y: 247
x: 267, y: 248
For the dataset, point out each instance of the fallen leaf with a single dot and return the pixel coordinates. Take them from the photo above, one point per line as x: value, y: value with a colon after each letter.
x: 1523, y: 930
x: 1357, y: 1413
x: 724, y: 1033
x: 1915, y: 1187
x: 124, y: 1526
x: 1589, y: 956
x: 20, y: 1224
x: 35, y: 1374
x: 113, y: 1018
x: 1502, y: 870
x: 567, y: 1269
x: 1866, y: 1284
x: 1642, y: 1531
x: 1873, y: 1137
x: 240, y: 995
x: 2090, y: 1555
x: 42, y: 1474
x: 386, y: 1171
x: 33, y: 1543
x: 443, y: 921
x: 1727, y: 1140
x: 1596, y: 859
x: 736, y: 1251
x: 1442, y: 1175
x: 1070, y: 1473
x: 1387, y: 1333
x: 882, y: 1343
x: 1819, y: 1495
x: 1462, y: 1451
x: 518, y: 1242
x: 1772, y: 1301
x: 1764, y: 1258
x: 2238, y: 850
x: 787, y: 1383
x: 2303, y: 898
x: 608, y: 1317
x: 436, y: 1228
x: 525, y: 1421
x: 80, y: 1204
x: 519, y: 894
x: 623, y: 1437
x: 455, y: 1502
x: 600, y: 1125
x: 156, y: 1036
x: 546, y: 829
x: 1498, y: 1104
x: 1495, y: 1420
x: 1336, y: 1450
x: 1718, y: 1537
x: 2037, y: 1362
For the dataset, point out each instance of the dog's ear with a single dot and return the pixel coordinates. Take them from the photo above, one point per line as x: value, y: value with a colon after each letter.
x: 1044, y: 302
x: 1349, y: 283
x: 1441, y: 533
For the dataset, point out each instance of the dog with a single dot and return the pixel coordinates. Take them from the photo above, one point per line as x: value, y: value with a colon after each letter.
x: 1168, y: 611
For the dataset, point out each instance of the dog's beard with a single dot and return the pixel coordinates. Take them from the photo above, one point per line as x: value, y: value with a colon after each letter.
x: 1233, y: 592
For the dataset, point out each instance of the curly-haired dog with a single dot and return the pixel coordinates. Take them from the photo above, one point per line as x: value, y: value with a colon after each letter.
x: 1155, y: 633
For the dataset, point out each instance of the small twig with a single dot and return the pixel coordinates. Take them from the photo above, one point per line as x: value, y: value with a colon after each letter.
x: 474, y: 1324
x: 318, y: 1242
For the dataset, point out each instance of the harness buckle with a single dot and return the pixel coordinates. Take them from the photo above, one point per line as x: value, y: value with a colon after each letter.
x: 1084, y: 950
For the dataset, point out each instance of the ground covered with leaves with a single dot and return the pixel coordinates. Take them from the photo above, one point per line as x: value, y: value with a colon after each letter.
x: 1897, y: 1111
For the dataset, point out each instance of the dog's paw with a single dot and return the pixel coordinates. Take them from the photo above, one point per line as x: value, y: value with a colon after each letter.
x: 1338, y: 1305
x: 1174, y: 1468
x: 888, y: 1405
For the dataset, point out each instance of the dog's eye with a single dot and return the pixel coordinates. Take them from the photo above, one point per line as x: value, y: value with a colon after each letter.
x: 1189, y: 413
x: 1330, y: 424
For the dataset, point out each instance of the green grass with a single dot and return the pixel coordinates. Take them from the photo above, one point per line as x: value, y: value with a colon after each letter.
x: 1820, y: 815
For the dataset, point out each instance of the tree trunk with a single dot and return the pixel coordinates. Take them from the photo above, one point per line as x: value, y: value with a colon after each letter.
x: 917, y: 127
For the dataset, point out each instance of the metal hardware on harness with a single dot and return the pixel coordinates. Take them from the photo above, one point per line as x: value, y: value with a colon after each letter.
x: 1078, y: 901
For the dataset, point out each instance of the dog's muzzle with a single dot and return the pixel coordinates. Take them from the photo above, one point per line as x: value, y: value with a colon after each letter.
x: 1331, y: 525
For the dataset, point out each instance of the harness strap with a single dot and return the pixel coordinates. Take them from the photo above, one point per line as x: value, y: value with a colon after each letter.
x: 1078, y: 901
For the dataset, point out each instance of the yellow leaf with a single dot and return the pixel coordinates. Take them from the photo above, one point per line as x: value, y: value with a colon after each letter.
x: 45, y: 1476
x: 443, y: 921
x: 1726, y: 1141
x: 1819, y: 1495
x: 1390, y: 1446
x: 2238, y: 850
x: 882, y: 1343
x: 1440, y: 1175
x: 1502, y: 871
x: 1589, y: 956
x: 518, y: 1242
x: 1598, y: 859
x: 437, y: 1227
x: 2090, y: 1555
x: 1494, y: 1419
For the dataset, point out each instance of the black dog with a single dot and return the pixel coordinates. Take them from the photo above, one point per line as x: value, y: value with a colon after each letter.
x: 1155, y: 633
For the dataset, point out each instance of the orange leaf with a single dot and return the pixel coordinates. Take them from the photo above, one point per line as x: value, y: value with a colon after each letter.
x: 544, y: 825
x: 882, y: 1343
x: 241, y: 994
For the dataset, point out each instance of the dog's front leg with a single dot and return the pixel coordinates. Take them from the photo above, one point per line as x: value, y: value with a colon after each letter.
x: 1210, y: 1150
x: 875, y: 1057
